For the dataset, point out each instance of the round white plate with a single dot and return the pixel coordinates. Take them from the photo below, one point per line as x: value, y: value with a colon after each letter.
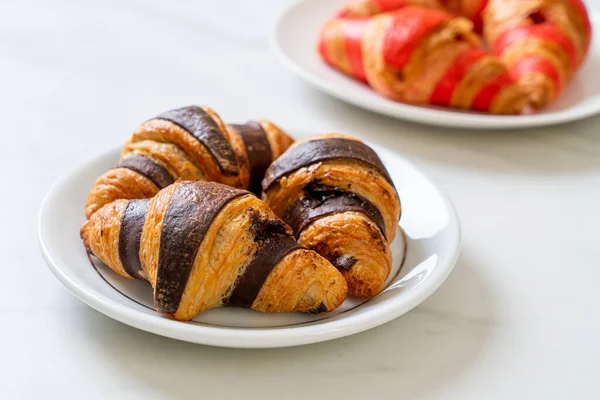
x: 294, y: 42
x: 429, y: 223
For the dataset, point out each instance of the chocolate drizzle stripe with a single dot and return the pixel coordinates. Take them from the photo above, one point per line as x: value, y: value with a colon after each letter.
x: 148, y: 168
x: 204, y: 128
x: 247, y: 286
x: 132, y: 224
x: 318, y: 150
x: 258, y: 150
x: 320, y: 201
x: 191, y: 211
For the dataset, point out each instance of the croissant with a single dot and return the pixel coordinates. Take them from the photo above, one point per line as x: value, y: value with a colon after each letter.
x: 203, y: 245
x: 422, y: 55
x: 190, y: 143
x: 368, y: 8
x: 542, y: 42
x: 471, y: 9
x: 340, y: 201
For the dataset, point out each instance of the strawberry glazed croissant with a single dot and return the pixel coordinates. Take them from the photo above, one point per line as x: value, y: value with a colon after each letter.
x: 471, y: 9
x: 542, y: 42
x: 422, y: 55
x: 368, y: 8
x: 203, y: 245
x: 340, y: 201
x: 190, y: 143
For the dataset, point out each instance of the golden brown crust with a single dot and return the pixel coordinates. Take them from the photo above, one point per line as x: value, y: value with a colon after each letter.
x: 149, y: 250
x: 169, y: 156
x: 278, y: 139
x: 101, y: 235
x: 228, y: 244
x: 118, y: 183
x: 300, y: 281
x: 343, y: 233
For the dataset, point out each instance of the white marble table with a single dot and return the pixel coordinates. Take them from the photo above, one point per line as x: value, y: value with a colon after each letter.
x: 518, y: 318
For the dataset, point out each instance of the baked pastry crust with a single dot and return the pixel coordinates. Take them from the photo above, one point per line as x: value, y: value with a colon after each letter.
x: 339, y: 199
x: 542, y: 42
x: 536, y: 47
x: 189, y: 143
x: 203, y: 245
x: 421, y: 55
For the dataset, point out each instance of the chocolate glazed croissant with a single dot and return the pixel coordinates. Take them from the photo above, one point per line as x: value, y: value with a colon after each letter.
x: 340, y: 201
x: 190, y: 143
x: 203, y: 245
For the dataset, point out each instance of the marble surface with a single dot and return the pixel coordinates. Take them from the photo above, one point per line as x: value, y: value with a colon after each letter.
x: 518, y: 318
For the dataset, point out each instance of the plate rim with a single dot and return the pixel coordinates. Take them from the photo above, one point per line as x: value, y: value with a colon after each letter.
x: 423, y: 115
x: 236, y: 337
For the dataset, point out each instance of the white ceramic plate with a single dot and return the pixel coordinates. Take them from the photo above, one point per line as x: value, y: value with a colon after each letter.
x: 429, y: 223
x: 294, y: 42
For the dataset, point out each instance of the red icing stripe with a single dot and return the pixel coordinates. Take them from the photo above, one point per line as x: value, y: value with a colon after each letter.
x: 536, y: 64
x: 544, y: 31
x: 410, y: 25
x: 389, y: 5
x: 353, y: 33
x: 323, y: 46
x: 444, y: 90
x: 483, y: 100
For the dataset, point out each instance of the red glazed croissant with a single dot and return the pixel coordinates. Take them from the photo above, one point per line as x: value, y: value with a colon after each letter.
x: 203, y: 245
x: 541, y: 41
x: 422, y: 55
x: 368, y: 8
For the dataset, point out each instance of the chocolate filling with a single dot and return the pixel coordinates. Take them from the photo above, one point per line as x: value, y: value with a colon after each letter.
x: 537, y: 17
x: 321, y: 308
x: 132, y: 224
x: 192, y: 209
x: 148, y: 168
x: 258, y: 150
x: 343, y: 262
x: 314, y: 151
x: 201, y: 125
x: 320, y: 201
x: 273, y: 244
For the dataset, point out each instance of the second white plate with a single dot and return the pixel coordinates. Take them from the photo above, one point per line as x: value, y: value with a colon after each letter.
x: 294, y: 42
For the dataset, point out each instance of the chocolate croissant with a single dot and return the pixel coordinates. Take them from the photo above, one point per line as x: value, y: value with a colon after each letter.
x: 203, y: 245
x: 190, y: 143
x: 543, y: 42
x: 421, y: 55
x: 339, y: 199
